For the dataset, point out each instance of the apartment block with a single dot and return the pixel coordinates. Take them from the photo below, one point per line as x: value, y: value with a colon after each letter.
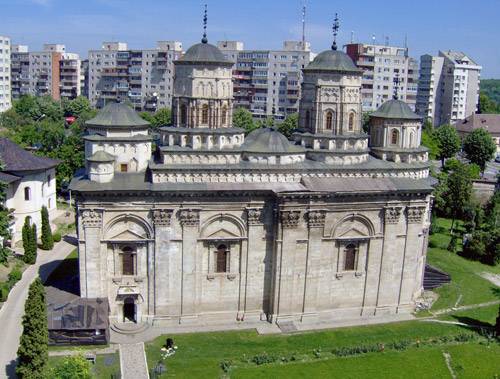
x: 52, y: 72
x: 84, y: 78
x: 448, y: 88
x: 267, y: 81
x: 144, y: 77
x: 5, y: 88
x: 381, y: 64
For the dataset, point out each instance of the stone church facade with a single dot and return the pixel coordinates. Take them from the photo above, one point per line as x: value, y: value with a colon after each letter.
x: 214, y: 226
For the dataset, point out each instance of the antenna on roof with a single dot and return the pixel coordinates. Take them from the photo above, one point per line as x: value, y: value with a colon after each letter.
x: 335, y: 28
x: 396, y: 86
x: 386, y: 40
x: 304, y: 26
x: 205, y: 18
x: 406, y: 45
x: 373, y: 39
x: 352, y: 36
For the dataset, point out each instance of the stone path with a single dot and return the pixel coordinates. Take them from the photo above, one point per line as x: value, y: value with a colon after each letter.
x: 133, y: 363
x: 447, y: 359
x: 13, y: 310
x: 493, y: 278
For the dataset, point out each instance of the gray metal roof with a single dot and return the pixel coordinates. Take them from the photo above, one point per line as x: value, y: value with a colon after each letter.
x: 15, y: 158
x: 333, y: 60
x: 81, y: 313
x: 269, y: 140
x: 117, y: 115
x: 101, y: 156
x: 370, y: 185
x: 204, y: 53
x: 395, y: 109
x: 211, y: 131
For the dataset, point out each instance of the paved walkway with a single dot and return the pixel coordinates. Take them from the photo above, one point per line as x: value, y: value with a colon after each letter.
x: 13, y: 310
x: 133, y: 363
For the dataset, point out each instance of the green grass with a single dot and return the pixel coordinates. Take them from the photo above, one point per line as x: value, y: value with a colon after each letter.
x: 417, y: 363
x: 473, y: 361
x: 100, y: 370
x: 465, y: 277
x: 483, y: 316
x: 200, y: 354
x: 66, y: 269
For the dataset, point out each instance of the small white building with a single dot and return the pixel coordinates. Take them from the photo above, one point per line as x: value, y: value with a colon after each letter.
x: 31, y: 184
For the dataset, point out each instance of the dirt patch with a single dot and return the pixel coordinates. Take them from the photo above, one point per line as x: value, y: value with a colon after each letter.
x: 493, y: 278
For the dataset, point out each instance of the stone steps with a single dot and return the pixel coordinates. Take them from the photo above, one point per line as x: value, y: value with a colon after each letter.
x: 129, y: 328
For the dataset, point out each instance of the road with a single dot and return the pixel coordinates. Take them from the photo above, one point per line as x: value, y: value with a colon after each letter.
x: 13, y: 310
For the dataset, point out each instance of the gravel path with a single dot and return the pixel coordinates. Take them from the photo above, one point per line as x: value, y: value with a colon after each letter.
x: 133, y: 363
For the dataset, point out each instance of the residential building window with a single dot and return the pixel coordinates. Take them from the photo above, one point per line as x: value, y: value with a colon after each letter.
x: 394, y: 137
x: 329, y: 120
x: 128, y: 261
x: 27, y: 193
x: 350, y: 257
x: 351, y: 121
x: 221, y: 260
x: 204, y: 114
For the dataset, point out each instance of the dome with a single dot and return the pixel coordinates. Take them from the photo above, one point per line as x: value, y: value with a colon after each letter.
x: 101, y: 156
x: 395, y: 109
x: 333, y: 60
x: 204, y: 53
x: 117, y: 115
x: 269, y: 141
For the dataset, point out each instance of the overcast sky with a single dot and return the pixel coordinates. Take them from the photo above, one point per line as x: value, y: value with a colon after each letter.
x: 430, y: 25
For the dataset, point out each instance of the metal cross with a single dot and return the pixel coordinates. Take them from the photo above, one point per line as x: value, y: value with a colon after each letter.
x: 335, y: 28
x: 205, y: 18
x: 396, y: 87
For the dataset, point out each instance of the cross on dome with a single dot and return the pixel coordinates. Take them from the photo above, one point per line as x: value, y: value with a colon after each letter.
x: 205, y: 18
x: 335, y: 28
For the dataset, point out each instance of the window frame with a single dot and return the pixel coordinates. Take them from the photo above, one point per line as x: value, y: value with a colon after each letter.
x: 27, y: 193
x: 131, y: 254
x: 351, y: 247
x: 225, y: 251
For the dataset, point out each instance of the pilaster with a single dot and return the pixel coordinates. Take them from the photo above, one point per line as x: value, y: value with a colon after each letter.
x: 92, y: 225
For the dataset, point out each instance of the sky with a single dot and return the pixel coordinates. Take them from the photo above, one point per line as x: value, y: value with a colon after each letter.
x: 430, y: 25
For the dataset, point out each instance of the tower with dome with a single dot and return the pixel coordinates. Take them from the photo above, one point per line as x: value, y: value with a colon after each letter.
x: 218, y: 227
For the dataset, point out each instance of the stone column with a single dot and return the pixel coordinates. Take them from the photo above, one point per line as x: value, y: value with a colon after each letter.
x: 391, y: 260
x: 159, y: 280
x: 91, y: 258
x: 189, y: 219
x: 316, y: 224
x: 413, y: 248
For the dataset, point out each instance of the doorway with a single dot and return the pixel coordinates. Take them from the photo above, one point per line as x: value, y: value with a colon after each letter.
x: 129, y: 310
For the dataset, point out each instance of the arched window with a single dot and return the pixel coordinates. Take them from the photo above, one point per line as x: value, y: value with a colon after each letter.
x: 350, y: 257
x: 351, y: 122
x: 221, y: 261
x: 204, y: 114
x: 183, y: 115
x: 308, y: 119
x: 329, y: 120
x: 394, y: 137
x: 27, y: 193
x: 224, y: 116
x: 412, y: 139
x: 128, y: 261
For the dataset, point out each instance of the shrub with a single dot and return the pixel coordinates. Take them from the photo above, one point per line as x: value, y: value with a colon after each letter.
x: 73, y: 367
x: 14, y: 276
x: 57, y: 237
x: 4, y: 292
x: 432, y: 243
x: 264, y: 358
x: 225, y: 365
x: 47, y: 239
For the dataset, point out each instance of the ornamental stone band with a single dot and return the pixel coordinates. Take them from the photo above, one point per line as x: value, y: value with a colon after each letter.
x: 254, y: 216
x: 316, y: 219
x: 415, y: 214
x: 162, y: 217
x: 290, y: 219
x: 91, y: 218
x: 393, y: 214
x: 189, y: 217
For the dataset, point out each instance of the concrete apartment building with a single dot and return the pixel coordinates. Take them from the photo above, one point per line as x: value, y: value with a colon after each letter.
x: 144, y: 77
x: 84, y: 78
x: 381, y: 64
x: 448, y: 87
x: 267, y: 80
x: 52, y: 72
x: 5, y: 90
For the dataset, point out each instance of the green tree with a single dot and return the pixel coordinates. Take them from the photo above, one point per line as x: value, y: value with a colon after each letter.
x: 77, y: 106
x: 33, y: 345
x: 289, y: 125
x: 47, y: 239
x: 487, y: 105
x: 73, y: 367
x: 242, y: 118
x: 29, y: 256
x: 148, y: 116
x: 448, y: 142
x: 479, y: 147
x: 162, y: 117
x: 27, y: 107
x: 458, y: 192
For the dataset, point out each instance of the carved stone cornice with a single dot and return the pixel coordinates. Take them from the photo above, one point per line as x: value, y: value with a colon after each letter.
x: 415, y: 214
x: 316, y: 219
x: 189, y: 217
x: 162, y: 217
x: 392, y: 214
x: 91, y: 218
x: 254, y: 216
x: 290, y: 219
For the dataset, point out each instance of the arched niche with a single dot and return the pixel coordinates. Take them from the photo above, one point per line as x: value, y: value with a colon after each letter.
x: 353, y: 226
x: 223, y: 227
x: 128, y: 228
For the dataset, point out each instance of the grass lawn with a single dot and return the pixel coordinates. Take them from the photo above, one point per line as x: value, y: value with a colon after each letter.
x: 105, y: 366
x: 465, y: 277
x: 484, y: 316
x: 473, y: 361
x: 200, y: 354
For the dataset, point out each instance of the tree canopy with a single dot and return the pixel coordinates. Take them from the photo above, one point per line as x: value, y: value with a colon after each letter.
x: 448, y: 142
x: 242, y: 118
x: 479, y: 147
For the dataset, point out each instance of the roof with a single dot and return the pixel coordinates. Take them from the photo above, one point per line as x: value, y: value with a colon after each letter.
x: 81, y: 313
x: 269, y: 140
x: 8, y: 178
x: 101, y: 156
x: 458, y: 57
x: 117, y: 115
x: 204, y: 53
x: 490, y: 122
x: 333, y: 60
x: 395, y: 109
x: 15, y: 158
x: 369, y: 185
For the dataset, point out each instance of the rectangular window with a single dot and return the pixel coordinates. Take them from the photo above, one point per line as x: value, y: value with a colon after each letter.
x: 221, y: 259
x: 128, y: 266
x: 123, y: 167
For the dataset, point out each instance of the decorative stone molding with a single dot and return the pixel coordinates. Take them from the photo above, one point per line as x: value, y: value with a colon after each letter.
x: 393, y: 214
x: 316, y: 219
x: 162, y: 217
x: 91, y: 218
x: 290, y: 219
x: 415, y: 214
x: 231, y: 277
x: 189, y: 217
x: 254, y: 216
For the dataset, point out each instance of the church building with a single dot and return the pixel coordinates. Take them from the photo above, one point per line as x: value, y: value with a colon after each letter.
x: 206, y: 225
